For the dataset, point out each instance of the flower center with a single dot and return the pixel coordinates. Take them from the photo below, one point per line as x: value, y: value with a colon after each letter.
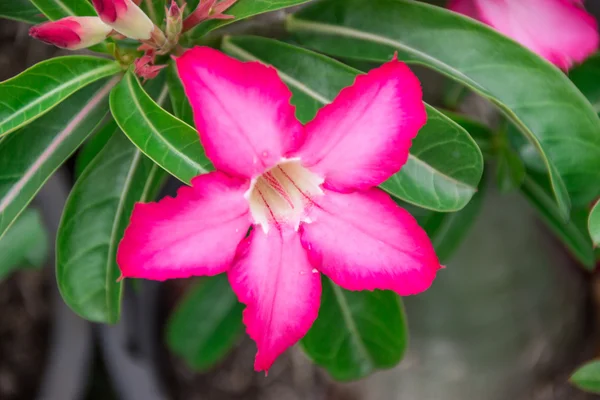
x: 283, y: 194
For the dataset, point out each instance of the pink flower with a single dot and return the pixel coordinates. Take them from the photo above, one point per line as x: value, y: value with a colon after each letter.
x: 307, y: 193
x: 125, y: 17
x: 558, y: 30
x: 72, y: 32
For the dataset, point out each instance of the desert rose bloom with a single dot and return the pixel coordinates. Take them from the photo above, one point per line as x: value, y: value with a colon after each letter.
x: 307, y: 193
x: 125, y: 17
x: 561, y: 31
x: 72, y: 32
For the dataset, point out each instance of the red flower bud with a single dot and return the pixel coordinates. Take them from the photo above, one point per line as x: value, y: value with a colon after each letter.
x: 125, y: 17
x: 72, y: 32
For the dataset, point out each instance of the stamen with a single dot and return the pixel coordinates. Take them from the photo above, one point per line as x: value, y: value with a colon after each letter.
x: 283, y: 194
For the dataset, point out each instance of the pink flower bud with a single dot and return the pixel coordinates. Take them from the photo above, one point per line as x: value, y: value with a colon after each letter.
x: 72, y: 32
x: 125, y: 17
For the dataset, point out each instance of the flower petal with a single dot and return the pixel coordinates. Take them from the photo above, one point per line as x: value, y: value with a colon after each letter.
x: 466, y: 7
x: 241, y: 109
x: 364, y: 241
x: 559, y: 30
x: 363, y: 136
x: 281, y: 290
x: 195, y: 233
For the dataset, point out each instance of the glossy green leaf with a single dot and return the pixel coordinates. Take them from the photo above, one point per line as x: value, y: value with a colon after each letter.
x: 92, y: 147
x: 587, y: 377
x: 94, y: 219
x: 57, y: 9
x: 356, y: 333
x: 168, y: 141
x: 155, y: 9
x: 30, y: 156
x: 510, y: 170
x: 587, y: 79
x: 537, y: 97
x: 21, y: 10
x: 573, y: 233
x: 40, y: 88
x: 594, y: 224
x: 447, y: 230
x: 179, y: 102
x: 24, y: 245
x: 483, y: 135
x: 445, y: 164
x: 242, y: 10
x: 206, y: 324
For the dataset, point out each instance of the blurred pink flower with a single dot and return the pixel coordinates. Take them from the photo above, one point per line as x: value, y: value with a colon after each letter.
x: 307, y: 193
x: 561, y: 31
x: 125, y: 17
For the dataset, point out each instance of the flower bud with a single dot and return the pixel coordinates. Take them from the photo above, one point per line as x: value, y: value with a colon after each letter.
x: 125, y: 17
x: 72, y: 32
x: 174, y: 21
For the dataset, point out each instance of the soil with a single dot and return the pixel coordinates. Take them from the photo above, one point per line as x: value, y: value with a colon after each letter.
x: 24, y: 328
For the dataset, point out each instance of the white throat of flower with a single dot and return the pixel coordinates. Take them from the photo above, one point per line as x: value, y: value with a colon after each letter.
x: 283, y: 194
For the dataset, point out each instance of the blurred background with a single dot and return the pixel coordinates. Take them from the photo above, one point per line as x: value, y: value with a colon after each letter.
x: 510, y: 317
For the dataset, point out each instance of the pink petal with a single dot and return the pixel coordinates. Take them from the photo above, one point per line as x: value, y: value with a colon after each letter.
x: 466, y: 7
x: 363, y: 136
x: 364, y: 241
x: 195, y: 233
x: 559, y: 30
x: 281, y: 290
x: 241, y: 109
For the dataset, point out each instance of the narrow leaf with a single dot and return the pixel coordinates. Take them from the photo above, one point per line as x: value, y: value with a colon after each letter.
x: 93, y: 147
x: 594, y: 224
x: 206, y: 324
x: 57, y: 9
x: 536, y: 96
x: 572, y: 233
x: 587, y: 79
x: 24, y: 245
x: 356, y: 333
x: 168, y: 141
x: 445, y: 164
x: 179, y: 102
x: 31, y: 155
x: 587, y: 377
x: 242, y: 10
x: 40, y: 88
x: 21, y: 10
x: 94, y: 219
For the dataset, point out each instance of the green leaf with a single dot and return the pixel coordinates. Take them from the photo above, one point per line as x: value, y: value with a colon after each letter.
x: 356, y: 333
x: 30, y: 156
x: 594, y: 224
x: 92, y: 147
x: 24, y: 245
x: 179, y: 101
x: 94, y: 219
x: 483, y: 135
x: 206, y: 324
x: 537, y: 97
x: 168, y: 141
x: 572, y: 233
x: 242, y: 10
x: 155, y: 9
x: 21, y: 10
x: 445, y: 164
x: 40, y: 88
x: 587, y: 377
x: 57, y: 9
x: 447, y: 230
x: 510, y: 170
x: 587, y: 79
